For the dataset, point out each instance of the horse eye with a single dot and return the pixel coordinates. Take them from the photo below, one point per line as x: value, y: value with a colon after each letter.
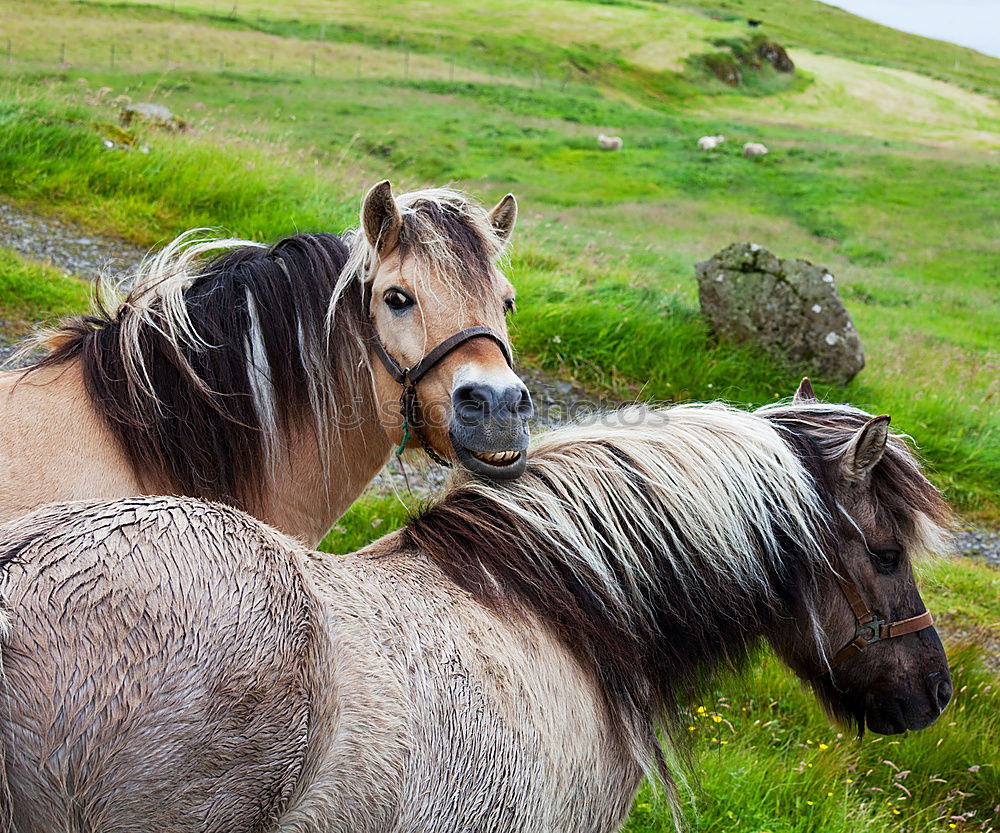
x: 886, y: 560
x: 397, y: 300
x: 508, y: 305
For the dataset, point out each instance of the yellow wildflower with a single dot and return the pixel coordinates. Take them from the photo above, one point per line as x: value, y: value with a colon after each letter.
x: 823, y: 746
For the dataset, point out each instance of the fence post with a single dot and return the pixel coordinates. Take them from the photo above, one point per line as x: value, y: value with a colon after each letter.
x: 451, y: 70
x: 314, y: 64
x: 357, y: 70
x: 222, y: 62
x: 112, y: 60
x: 270, y: 63
x: 62, y: 52
x: 406, y: 66
x: 10, y: 51
x: 322, y: 31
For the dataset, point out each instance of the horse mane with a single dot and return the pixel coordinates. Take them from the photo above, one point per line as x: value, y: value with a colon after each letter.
x: 821, y: 431
x: 222, y: 349
x: 655, y: 544
x: 210, y: 358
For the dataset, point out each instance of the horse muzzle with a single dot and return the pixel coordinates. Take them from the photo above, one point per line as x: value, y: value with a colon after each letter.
x: 489, y: 429
x: 902, y: 710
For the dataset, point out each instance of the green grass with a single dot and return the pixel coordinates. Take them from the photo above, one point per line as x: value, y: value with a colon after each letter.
x: 31, y: 292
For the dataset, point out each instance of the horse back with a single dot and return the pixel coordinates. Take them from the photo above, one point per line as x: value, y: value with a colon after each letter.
x: 155, y: 674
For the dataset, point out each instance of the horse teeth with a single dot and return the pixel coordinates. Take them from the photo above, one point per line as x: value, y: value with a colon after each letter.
x: 497, y: 457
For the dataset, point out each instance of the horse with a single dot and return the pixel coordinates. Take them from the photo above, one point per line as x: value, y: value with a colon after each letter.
x: 278, y: 379
x: 609, y: 142
x: 751, y: 150
x: 509, y: 660
x: 710, y: 142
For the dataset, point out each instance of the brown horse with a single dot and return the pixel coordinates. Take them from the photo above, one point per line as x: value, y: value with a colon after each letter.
x: 270, y: 377
x: 505, y: 662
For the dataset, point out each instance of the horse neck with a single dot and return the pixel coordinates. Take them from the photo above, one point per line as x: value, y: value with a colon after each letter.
x: 312, y: 488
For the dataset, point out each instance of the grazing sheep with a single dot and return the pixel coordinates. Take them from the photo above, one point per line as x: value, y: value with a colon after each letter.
x: 710, y: 142
x: 751, y: 150
x: 609, y: 142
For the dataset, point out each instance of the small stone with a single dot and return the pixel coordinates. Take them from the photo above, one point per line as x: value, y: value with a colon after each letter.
x: 827, y: 278
x: 831, y: 338
x: 817, y: 308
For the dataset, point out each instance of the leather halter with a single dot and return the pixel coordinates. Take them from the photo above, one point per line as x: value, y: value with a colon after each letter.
x: 410, y: 376
x: 870, y: 628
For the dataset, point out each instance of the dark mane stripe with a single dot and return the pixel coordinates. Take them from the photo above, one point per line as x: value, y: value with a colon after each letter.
x: 202, y: 432
x: 650, y: 609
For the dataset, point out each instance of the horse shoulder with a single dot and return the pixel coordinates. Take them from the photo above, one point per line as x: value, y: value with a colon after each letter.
x: 427, y: 688
x: 53, y: 445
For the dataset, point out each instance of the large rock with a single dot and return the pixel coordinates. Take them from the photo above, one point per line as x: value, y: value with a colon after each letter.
x: 790, y: 308
x: 154, y: 114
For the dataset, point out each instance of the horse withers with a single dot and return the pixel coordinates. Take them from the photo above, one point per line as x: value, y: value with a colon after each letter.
x: 273, y: 377
x: 507, y: 661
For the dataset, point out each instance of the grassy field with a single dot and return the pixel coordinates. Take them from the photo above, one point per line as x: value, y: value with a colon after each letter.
x: 883, y: 167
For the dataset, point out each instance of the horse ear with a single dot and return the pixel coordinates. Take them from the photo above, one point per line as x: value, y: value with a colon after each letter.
x: 503, y: 216
x: 380, y: 218
x: 804, y: 393
x: 865, y: 449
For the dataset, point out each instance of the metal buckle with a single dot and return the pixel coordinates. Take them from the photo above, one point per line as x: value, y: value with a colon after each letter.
x: 871, y: 631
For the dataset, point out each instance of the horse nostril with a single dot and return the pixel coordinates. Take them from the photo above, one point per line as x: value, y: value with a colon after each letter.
x: 941, y: 688
x: 473, y: 401
x: 525, y: 407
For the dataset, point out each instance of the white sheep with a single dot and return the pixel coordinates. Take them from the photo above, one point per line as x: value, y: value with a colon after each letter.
x: 710, y: 142
x: 751, y: 150
x: 609, y: 142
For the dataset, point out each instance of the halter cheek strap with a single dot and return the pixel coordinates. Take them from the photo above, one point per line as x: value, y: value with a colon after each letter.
x: 870, y: 628
x: 409, y: 377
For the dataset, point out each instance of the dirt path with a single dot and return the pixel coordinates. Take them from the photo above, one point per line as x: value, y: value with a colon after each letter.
x: 77, y: 252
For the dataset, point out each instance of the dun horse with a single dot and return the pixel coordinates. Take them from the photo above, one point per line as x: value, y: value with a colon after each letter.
x: 503, y: 663
x: 270, y: 378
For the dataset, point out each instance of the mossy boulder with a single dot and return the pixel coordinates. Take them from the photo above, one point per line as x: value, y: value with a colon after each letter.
x: 789, y: 308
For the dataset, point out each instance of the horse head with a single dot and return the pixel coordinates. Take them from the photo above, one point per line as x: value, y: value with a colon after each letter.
x: 885, y: 668
x: 438, y: 302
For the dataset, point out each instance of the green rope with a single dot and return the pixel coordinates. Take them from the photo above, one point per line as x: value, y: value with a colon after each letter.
x: 406, y: 438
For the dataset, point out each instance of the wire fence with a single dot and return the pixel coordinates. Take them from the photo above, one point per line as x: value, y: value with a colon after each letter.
x: 336, y: 60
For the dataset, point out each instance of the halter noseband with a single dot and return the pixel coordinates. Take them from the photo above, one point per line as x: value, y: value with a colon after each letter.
x: 870, y: 628
x: 410, y: 376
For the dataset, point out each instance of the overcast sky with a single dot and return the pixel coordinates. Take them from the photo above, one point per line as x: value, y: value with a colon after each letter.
x: 974, y: 23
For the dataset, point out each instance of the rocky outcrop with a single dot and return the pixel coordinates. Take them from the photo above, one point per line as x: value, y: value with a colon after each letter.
x: 775, y: 55
x: 789, y: 308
